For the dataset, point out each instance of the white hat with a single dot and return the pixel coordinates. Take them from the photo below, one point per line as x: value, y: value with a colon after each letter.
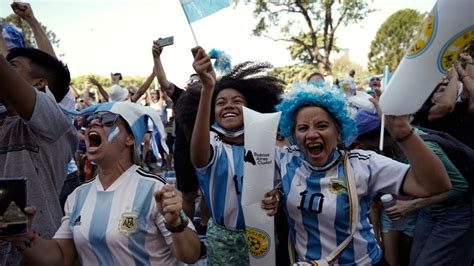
x: 117, y: 93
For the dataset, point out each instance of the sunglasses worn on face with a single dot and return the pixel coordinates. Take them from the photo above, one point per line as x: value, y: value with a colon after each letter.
x: 106, y: 119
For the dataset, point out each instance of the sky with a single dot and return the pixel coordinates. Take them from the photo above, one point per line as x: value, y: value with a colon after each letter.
x: 103, y: 36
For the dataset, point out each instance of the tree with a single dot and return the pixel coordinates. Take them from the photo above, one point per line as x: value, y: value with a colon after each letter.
x: 393, y: 38
x: 343, y: 64
x: 315, y: 21
x: 293, y: 73
x: 27, y: 32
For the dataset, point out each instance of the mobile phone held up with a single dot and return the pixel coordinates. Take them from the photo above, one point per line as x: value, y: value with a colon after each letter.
x: 12, y: 202
x: 165, y: 41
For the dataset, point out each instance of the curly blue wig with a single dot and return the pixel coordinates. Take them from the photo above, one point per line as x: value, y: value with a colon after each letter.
x: 306, y: 95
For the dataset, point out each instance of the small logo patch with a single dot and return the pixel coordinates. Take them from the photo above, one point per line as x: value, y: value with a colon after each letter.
x: 258, y: 242
x: 336, y: 186
x: 128, y: 223
x: 77, y: 221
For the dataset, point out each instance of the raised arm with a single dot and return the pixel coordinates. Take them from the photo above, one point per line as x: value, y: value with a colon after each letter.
x: 160, y: 71
x: 25, y: 11
x: 15, y: 89
x: 466, y: 76
x: 446, y: 102
x: 200, y: 143
x: 427, y: 175
x: 143, y: 88
x: 101, y: 89
x: 185, y: 246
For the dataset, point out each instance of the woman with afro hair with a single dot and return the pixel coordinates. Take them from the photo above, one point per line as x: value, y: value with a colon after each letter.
x: 218, y: 153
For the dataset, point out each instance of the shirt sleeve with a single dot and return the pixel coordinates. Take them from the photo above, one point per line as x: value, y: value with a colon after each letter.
x: 64, y: 231
x: 47, y: 120
x: 382, y: 173
x: 214, y: 146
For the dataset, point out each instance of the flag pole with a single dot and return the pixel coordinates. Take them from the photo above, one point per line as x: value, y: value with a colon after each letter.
x: 194, y: 35
x: 382, y: 125
x: 190, y: 26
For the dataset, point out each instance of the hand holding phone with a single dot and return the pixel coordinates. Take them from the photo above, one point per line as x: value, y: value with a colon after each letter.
x: 12, y: 205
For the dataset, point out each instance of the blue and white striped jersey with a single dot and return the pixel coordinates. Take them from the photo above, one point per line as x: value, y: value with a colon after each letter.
x: 317, y: 203
x: 221, y: 182
x: 118, y: 226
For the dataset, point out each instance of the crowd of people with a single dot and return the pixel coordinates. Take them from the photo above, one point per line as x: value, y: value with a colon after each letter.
x: 97, y: 197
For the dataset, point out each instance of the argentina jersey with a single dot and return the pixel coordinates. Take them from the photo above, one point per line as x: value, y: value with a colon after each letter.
x: 118, y: 226
x: 318, y: 207
x: 221, y: 182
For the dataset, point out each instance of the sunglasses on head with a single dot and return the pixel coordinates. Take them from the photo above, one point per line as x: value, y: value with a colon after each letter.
x: 106, y: 119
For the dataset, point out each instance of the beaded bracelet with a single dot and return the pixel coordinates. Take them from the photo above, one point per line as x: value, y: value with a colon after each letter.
x: 405, y: 137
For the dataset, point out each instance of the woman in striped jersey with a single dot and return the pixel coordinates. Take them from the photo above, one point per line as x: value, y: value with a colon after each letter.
x: 125, y: 215
x: 219, y: 155
x: 327, y: 189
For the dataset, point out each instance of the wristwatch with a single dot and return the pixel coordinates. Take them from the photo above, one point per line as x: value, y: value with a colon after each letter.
x: 180, y: 228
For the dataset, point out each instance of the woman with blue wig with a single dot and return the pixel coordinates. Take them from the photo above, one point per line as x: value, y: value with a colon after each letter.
x: 327, y: 189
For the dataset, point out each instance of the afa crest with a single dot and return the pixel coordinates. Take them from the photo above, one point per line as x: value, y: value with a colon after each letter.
x: 336, y: 186
x: 128, y: 223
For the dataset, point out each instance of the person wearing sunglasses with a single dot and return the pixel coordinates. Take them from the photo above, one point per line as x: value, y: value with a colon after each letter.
x: 124, y: 215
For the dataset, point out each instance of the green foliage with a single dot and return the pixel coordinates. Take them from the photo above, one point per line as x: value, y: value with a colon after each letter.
x: 80, y: 82
x: 308, y: 25
x: 27, y: 32
x: 293, y: 73
x: 342, y: 65
x: 393, y: 38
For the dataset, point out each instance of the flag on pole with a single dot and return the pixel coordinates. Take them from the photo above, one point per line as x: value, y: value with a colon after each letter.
x: 446, y: 32
x: 198, y: 9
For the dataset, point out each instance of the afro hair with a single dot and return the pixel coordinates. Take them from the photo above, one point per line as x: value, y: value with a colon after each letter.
x: 262, y: 92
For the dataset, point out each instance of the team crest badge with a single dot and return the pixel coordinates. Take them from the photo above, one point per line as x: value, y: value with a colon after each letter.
x: 336, y: 186
x: 128, y: 223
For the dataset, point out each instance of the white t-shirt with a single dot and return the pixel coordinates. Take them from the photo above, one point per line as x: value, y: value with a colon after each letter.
x: 119, y: 226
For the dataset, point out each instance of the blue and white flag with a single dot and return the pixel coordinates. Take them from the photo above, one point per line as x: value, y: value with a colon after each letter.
x: 446, y: 32
x: 135, y: 115
x: 198, y: 9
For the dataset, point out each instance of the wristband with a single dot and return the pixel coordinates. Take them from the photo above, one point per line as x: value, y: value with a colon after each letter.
x: 180, y: 228
x: 405, y: 137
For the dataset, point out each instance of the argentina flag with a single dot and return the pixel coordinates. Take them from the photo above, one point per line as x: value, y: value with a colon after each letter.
x: 198, y: 9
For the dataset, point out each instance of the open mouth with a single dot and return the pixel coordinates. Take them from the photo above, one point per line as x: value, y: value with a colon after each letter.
x: 229, y: 115
x: 94, y: 139
x: 315, y: 148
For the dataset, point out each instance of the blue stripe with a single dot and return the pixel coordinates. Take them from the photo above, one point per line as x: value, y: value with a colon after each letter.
x: 287, y: 179
x: 220, y: 188
x: 81, y: 196
x: 342, y: 221
x: 98, y: 229
x: 310, y: 218
x: 238, y: 160
x: 204, y: 179
x: 141, y: 203
x: 372, y: 248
